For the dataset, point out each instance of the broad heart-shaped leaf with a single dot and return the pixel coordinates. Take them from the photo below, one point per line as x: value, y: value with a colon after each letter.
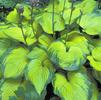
x: 96, y: 53
x: 8, y: 89
x: 66, y: 59
x: 13, y: 16
x: 92, y: 23
x: 86, y: 6
x: 15, y: 63
x: 55, y: 50
x: 15, y: 33
x: 12, y: 32
x: 37, y: 53
x: 39, y: 74
x: 78, y: 41
x: 67, y: 14
x: 95, y: 64
x: 76, y: 87
x: 59, y: 6
x: 45, y: 20
x: 95, y: 59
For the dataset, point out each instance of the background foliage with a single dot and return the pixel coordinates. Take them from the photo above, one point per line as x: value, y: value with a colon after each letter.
x: 50, y: 50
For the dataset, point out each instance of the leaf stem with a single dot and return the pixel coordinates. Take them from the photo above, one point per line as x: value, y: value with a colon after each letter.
x: 32, y: 7
x: 21, y: 27
x: 71, y: 13
x: 81, y: 13
x: 53, y: 19
x: 63, y: 8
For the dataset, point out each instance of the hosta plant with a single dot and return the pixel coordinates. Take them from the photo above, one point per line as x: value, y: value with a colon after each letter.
x: 52, y: 44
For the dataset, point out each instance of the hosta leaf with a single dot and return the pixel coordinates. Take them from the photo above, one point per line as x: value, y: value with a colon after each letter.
x: 15, y: 61
x: 14, y: 17
x: 95, y: 64
x: 37, y: 28
x: 95, y: 59
x: 4, y: 45
x: 55, y: 50
x: 66, y: 59
x: 74, y: 62
x: 92, y: 23
x: 76, y: 87
x: 45, y: 40
x: 37, y: 53
x: 30, y: 37
x: 12, y: 32
x: 96, y: 53
x: 38, y: 74
x: 17, y: 34
x: 28, y: 92
x: 59, y: 6
x: 46, y: 18
x: 8, y: 89
x: 95, y: 94
x: 67, y: 14
x: 86, y: 6
x: 78, y: 41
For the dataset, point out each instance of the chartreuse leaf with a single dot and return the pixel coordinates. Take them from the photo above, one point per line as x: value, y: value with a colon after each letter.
x: 95, y: 64
x: 78, y: 41
x: 30, y: 37
x: 37, y: 28
x: 59, y: 6
x: 13, y: 32
x: 15, y: 61
x: 37, y: 53
x: 77, y: 60
x: 96, y: 53
x: 8, y: 89
x: 92, y: 23
x: 86, y: 6
x: 46, y: 18
x: 95, y: 59
x: 14, y: 17
x: 39, y: 73
x: 67, y: 14
x: 76, y: 87
x: 4, y: 45
x: 65, y: 59
x: 17, y: 34
x: 55, y: 50
x: 45, y: 40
